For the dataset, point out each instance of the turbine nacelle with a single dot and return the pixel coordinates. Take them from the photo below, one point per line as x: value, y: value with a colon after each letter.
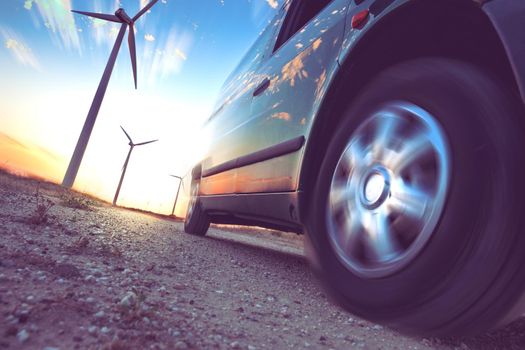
x: 122, y: 15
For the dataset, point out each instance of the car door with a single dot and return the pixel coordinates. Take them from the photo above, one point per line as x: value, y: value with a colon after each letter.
x: 223, y: 128
x: 290, y: 85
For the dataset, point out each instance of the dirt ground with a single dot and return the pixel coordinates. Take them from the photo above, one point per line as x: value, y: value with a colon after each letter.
x: 76, y: 273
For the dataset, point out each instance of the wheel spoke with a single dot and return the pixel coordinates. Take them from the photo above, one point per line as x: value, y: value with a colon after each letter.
x: 381, y: 242
x: 386, y: 128
x: 352, y: 229
x: 340, y: 195
x: 409, y: 200
x: 355, y: 154
x: 411, y: 150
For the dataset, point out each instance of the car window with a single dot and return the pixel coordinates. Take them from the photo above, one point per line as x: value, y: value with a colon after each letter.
x: 299, y: 13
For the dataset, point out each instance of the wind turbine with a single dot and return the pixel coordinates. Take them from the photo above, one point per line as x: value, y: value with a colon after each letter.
x: 177, y: 196
x: 122, y: 17
x: 125, y: 167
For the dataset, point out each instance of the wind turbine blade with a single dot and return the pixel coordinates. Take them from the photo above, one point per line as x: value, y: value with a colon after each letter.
x: 133, y: 52
x: 129, y: 138
x: 111, y: 18
x: 144, y: 10
x: 145, y: 143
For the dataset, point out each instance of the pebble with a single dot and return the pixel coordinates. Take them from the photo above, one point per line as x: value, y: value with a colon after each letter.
x: 99, y: 314
x: 235, y: 345
x: 89, y: 278
x: 129, y: 301
x: 105, y: 330
x: 92, y: 329
x: 181, y: 345
x: 22, y: 336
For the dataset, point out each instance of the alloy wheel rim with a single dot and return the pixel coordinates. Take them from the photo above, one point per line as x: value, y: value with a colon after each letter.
x: 388, y: 190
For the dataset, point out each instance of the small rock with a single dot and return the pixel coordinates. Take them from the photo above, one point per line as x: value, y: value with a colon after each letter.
x: 181, y: 345
x: 92, y: 329
x: 129, y: 301
x: 99, y: 314
x: 22, y: 336
x: 235, y: 345
x: 89, y: 278
x: 23, y: 316
x: 105, y: 330
x: 51, y: 348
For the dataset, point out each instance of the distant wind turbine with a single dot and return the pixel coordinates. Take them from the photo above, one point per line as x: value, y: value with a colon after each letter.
x: 125, y: 167
x: 122, y: 17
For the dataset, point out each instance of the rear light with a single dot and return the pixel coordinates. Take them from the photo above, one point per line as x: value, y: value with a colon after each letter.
x: 360, y: 19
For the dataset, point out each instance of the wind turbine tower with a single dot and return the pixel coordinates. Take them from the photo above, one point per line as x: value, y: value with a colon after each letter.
x: 177, y: 195
x: 127, y: 22
x: 125, y: 167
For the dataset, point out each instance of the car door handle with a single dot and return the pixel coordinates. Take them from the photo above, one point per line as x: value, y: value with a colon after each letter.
x: 262, y: 87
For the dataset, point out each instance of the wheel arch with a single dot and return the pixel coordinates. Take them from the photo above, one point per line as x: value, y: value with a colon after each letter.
x: 469, y: 36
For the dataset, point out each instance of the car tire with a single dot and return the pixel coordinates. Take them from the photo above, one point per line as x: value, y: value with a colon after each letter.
x: 196, y: 221
x: 459, y: 270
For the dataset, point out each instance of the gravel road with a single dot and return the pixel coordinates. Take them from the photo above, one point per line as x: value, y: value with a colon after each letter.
x: 84, y: 275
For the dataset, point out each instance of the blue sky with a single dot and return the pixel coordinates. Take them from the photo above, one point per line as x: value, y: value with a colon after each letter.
x: 51, y: 62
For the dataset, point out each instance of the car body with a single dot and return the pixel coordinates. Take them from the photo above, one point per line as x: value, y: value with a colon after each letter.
x: 279, y: 109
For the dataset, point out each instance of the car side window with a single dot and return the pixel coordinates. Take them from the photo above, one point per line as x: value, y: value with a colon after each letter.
x: 299, y: 13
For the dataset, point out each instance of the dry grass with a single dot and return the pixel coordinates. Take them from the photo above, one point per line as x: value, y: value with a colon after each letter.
x: 75, y: 202
x: 40, y: 215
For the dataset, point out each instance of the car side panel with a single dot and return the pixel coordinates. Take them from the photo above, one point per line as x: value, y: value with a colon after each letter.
x: 298, y: 72
x: 222, y: 128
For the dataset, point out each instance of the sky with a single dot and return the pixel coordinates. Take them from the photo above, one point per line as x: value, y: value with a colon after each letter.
x: 51, y: 61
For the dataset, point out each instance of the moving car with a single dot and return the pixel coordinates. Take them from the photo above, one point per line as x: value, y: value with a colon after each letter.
x: 391, y: 133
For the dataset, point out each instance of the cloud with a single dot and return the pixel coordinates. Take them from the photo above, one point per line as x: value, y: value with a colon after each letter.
x: 58, y: 18
x: 19, y: 49
x: 28, y: 4
x: 149, y: 37
x: 273, y: 3
x: 167, y: 57
x: 181, y: 54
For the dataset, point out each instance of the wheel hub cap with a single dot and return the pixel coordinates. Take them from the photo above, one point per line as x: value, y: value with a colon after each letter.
x: 375, y: 188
